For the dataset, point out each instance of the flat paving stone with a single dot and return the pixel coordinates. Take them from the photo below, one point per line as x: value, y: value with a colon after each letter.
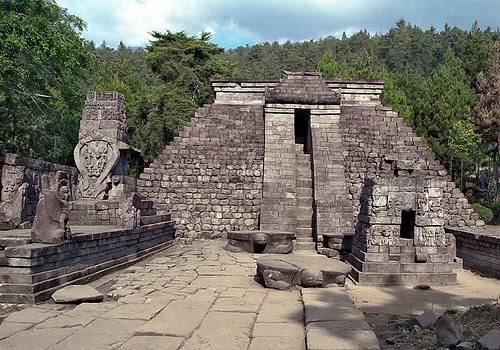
x: 325, y: 336
x: 67, y: 321
x: 9, y: 328
x: 179, y: 318
x: 249, y: 302
x: 222, y: 331
x: 132, y: 312
x: 32, y: 315
x: 278, y: 343
x: 101, y: 334
x: 39, y: 339
x: 152, y: 343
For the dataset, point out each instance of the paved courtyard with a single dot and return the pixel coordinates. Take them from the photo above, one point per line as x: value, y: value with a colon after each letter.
x: 193, y: 297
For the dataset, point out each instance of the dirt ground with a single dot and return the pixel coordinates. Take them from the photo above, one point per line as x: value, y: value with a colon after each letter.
x: 471, y: 289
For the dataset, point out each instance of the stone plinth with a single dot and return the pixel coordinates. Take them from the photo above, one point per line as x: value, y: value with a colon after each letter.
x: 285, y: 271
x: 260, y: 241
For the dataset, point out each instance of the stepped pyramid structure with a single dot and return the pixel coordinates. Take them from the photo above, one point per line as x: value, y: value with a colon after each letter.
x: 320, y: 158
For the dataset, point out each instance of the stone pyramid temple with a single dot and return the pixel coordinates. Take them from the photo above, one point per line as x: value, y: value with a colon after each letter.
x: 318, y: 158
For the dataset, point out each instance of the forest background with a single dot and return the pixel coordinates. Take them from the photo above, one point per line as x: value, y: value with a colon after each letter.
x: 444, y: 84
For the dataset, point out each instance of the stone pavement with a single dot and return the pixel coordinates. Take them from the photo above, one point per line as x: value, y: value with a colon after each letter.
x: 194, y: 297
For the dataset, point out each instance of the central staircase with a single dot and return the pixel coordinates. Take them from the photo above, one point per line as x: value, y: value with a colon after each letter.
x: 304, y: 194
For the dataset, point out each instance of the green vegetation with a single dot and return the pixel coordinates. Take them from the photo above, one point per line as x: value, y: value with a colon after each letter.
x: 485, y: 213
x: 444, y: 84
x: 42, y: 64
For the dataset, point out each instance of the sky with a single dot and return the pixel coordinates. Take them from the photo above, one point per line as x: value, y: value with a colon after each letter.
x: 247, y: 22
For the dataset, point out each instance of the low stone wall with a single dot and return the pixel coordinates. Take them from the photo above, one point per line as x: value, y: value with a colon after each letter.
x: 32, y: 272
x: 479, y: 249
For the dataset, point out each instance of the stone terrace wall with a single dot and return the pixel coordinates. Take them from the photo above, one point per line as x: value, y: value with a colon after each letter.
x: 210, y: 178
x: 22, y: 184
x: 479, y: 250
x: 377, y: 142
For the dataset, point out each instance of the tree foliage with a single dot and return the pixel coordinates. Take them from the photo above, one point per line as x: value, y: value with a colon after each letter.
x: 42, y: 63
x: 487, y: 112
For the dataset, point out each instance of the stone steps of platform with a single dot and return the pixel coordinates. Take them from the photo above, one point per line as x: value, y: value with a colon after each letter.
x: 304, y: 244
x: 14, y: 241
x: 154, y: 219
x: 304, y: 232
x: 304, y: 192
x: 304, y: 212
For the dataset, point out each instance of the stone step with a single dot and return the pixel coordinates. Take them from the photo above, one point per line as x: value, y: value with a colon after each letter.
x: 304, y: 192
x: 153, y: 219
x: 304, y: 223
x: 305, y: 245
x: 303, y: 182
x: 303, y: 173
x: 304, y: 201
x: 304, y: 233
x: 305, y: 211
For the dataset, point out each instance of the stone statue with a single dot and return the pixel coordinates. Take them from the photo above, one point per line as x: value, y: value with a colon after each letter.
x: 51, y: 219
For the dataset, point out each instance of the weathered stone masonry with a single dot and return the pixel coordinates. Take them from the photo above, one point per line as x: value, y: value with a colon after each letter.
x: 210, y: 177
x: 234, y: 165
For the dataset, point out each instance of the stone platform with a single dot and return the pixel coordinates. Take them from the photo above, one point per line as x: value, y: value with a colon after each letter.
x: 283, y: 272
x: 31, y: 272
x: 192, y: 297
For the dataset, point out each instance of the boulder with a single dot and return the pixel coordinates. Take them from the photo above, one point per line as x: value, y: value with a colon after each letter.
x: 427, y: 319
x: 447, y: 332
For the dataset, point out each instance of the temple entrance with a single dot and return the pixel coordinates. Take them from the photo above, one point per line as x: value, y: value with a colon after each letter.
x: 302, y: 122
x: 407, y: 228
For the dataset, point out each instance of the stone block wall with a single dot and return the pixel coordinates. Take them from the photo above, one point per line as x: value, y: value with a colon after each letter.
x: 210, y: 177
x: 379, y: 144
x: 22, y: 185
x: 279, y: 203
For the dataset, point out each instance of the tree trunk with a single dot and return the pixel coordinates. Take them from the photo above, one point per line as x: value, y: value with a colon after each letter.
x: 461, y: 174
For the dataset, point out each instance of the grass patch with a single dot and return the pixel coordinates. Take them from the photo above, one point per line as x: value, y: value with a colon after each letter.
x: 400, y: 332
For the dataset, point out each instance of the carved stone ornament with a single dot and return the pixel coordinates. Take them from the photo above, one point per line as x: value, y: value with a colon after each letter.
x: 95, y: 157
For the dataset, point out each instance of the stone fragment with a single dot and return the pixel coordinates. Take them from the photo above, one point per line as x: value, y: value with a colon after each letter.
x: 448, y: 334
x: 465, y: 346
x: 491, y: 340
x: 427, y: 319
x: 77, y: 294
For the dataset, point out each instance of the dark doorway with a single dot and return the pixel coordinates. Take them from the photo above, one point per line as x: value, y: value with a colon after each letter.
x: 303, y: 128
x: 407, y: 229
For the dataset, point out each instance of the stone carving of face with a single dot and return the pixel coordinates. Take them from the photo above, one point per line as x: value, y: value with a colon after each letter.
x: 95, y: 157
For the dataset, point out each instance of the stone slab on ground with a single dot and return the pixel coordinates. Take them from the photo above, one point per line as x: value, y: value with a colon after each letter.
x: 285, y: 271
x: 76, y: 294
x: 152, y: 343
x: 491, y: 340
